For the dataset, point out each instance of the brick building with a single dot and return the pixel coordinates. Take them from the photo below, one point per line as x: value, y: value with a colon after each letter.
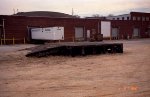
x: 18, y: 27
x: 133, y: 25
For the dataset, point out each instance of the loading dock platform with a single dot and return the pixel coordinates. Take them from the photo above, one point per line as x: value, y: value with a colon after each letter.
x: 75, y: 49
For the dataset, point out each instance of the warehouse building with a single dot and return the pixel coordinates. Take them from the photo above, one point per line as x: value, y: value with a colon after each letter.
x: 19, y: 27
x: 133, y: 25
x: 29, y: 27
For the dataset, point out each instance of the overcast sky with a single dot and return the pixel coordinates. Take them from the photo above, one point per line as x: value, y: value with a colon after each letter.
x: 81, y: 7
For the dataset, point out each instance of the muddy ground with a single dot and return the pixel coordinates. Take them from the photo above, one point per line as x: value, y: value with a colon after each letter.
x: 109, y: 75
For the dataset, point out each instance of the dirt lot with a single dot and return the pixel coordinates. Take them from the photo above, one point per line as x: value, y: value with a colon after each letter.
x: 110, y: 75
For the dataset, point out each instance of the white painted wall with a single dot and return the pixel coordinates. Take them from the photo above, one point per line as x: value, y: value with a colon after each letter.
x: 49, y: 33
x: 106, y: 28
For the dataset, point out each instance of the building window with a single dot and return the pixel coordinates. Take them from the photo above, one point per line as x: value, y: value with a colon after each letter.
x: 113, y: 18
x: 127, y: 18
x: 117, y: 18
x: 143, y: 18
x: 138, y: 18
x: 122, y: 18
x: 147, y: 18
x: 134, y: 18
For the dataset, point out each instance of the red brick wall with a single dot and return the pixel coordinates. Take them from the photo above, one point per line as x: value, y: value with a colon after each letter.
x: 17, y: 26
x: 126, y: 27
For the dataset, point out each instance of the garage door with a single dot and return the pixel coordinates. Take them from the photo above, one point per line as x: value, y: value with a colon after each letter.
x: 136, y: 32
x: 106, y: 28
x: 78, y: 32
x: 115, y: 32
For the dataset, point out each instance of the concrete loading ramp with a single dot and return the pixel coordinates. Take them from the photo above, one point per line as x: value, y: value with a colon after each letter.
x: 75, y: 49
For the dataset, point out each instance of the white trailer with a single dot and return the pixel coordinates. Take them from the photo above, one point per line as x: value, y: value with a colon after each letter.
x: 49, y: 33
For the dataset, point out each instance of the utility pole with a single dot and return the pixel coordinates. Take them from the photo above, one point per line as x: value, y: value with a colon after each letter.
x: 72, y: 12
x: 14, y: 11
x: 4, y: 36
x: 17, y: 10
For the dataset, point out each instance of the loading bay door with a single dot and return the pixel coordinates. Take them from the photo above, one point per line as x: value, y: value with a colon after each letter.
x: 106, y: 29
x: 115, y: 33
x: 136, y: 32
x: 79, y: 33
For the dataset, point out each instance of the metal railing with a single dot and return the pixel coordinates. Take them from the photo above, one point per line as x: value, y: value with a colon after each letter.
x: 13, y: 40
